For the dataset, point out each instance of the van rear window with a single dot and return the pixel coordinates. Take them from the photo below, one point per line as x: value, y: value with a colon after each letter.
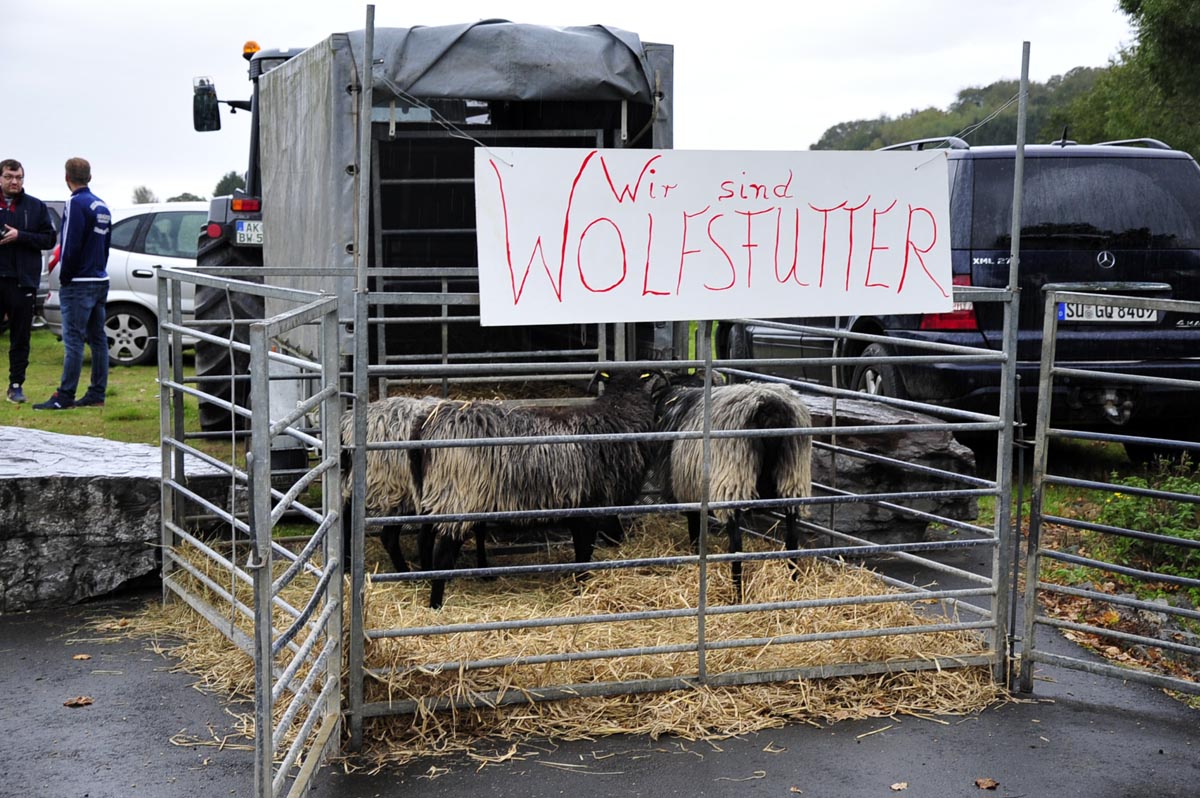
x: 1089, y: 203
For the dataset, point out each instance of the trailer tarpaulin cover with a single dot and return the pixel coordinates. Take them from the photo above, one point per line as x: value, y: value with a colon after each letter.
x: 309, y: 123
x: 499, y: 60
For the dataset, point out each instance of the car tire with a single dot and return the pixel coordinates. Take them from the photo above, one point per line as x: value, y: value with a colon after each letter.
x: 733, y: 345
x: 132, y: 333
x: 214, y: 305
x: 880, y: 379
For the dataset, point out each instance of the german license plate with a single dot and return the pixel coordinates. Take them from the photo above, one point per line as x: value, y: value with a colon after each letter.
x: 249, y: 232
x: 1105, y: 314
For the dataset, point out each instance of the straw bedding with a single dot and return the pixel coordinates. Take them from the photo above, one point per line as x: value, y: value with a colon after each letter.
x: 700, y: 713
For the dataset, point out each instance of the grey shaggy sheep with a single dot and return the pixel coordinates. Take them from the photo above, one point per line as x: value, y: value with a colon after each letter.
x: 481, y: 479
x: 390, y: 487
x: 740, y: 468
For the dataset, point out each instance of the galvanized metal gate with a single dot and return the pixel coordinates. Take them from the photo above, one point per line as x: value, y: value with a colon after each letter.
x: 221, y: 553
x: 1036, y: 646
x: 978, y: 604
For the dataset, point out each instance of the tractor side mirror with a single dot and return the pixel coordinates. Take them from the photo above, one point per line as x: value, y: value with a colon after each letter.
x: 206, y: 110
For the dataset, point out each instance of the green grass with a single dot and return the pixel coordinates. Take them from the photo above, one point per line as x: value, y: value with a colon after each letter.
x: 130, y: 411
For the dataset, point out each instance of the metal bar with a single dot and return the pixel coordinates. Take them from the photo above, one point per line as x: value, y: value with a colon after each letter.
x: 325, y: 741
x: 1101, y: 565
x: 1132, y: 490
x: 1056, y: 295
x: 284, y: 680
x: 286, y: 501
x: 1003, y: 557
x: 1037, y: 495
x: 300, y: 742
x: 310, y: 607
x: 509, y: 697
x: 297, y: 317
x: 684, y: 612
x: 1148, y: 606
x: 1133, y: 379
x: 681, y: 648
x: 243, y: 641
x: 1152, y: 537
x: 167, y: 455
x: 427, y: 298
x: 258, y: 466
x: 1124, y: 674
x: 331, y: 505
x: 1115, y: 634
x: 241, y: 286
x: 317, y: 540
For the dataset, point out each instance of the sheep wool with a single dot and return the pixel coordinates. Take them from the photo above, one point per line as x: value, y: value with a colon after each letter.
x: 740, y: 468
x: 571, y: 474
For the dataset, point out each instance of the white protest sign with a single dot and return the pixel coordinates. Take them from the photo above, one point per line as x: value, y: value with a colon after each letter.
x: 583, y: 235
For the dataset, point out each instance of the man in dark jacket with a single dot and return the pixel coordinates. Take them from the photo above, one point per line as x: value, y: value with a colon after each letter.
x: 26, y: 230
x: 83, y: 289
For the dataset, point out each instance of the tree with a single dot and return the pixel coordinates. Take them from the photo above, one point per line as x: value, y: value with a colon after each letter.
x: 1167, y: 32
x: 186, y: 196
x: 228, y: 183
x: 143, y: 195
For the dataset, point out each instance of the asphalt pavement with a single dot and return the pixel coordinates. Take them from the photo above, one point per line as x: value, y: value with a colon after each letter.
x: 149, y: 732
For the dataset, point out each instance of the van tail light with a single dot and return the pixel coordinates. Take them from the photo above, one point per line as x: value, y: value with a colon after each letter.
x: 961, y: 318
x: 246, y: 205
x: 213, y: 229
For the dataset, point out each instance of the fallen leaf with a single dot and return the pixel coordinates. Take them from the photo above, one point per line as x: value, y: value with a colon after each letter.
x: 900, y: 785
x: 82, y: 656
x: 78, y: 701
x: 987, y: 784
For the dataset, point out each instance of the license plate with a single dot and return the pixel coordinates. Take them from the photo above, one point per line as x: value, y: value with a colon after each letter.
x: 249, y: 232
x: 1105, y: 314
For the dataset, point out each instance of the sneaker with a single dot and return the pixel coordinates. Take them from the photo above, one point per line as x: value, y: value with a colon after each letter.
x: 15, y: 394
x: 90, y: 400
x: 55, y: 402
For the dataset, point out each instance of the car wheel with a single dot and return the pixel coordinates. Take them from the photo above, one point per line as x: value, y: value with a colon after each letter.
x: 880, y: 379
x: 732, y: 345
x: 132, y: 333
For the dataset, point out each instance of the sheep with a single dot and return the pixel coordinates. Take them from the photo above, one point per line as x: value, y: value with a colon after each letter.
x: 740, y: 468
x: 390, y: 487
x: 535, y: 477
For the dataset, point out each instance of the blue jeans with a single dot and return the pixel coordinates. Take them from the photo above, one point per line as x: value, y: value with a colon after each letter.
x: 83, y: 316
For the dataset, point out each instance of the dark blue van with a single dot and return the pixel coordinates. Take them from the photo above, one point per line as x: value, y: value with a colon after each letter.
x: 1120, y: 217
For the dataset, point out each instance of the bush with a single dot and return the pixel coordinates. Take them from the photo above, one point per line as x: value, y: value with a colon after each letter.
x: 1161, y: 516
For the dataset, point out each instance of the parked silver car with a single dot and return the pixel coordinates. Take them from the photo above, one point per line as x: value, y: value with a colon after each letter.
x: 143, y: 237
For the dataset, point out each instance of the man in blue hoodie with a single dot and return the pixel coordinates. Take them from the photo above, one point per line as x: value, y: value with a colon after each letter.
x: 25, y: 230
x: 83, y: 289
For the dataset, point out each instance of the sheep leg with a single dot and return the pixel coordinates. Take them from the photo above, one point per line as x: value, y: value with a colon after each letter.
x: 425, y: 540
x: 791, y: 539
x: 389, y: 536
x: 480, y: 547
x: 734, y: 528
x: 583, y: 535
x: 445, y: 553
x: 693, y: 520
x: 611, y: 530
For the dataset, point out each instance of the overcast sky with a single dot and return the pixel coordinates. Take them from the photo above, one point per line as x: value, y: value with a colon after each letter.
x: 111, y: 80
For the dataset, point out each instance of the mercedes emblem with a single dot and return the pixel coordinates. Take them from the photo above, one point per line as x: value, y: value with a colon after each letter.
x: 1106, y: 259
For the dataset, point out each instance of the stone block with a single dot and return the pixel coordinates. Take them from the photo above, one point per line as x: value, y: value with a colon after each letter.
x: 934, y: 448
x: 79, y: 516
